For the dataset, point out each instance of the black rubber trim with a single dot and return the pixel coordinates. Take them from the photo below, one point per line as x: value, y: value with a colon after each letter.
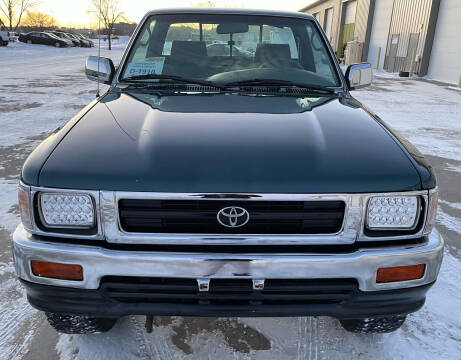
x: 95, y: 304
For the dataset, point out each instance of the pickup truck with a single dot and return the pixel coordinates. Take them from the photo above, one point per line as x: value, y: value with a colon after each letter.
x: 4, y: 38
x: 201, y: 185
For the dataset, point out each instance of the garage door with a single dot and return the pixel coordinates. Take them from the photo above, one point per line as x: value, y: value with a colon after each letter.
x: 445, y: 62
x: 380, y: 31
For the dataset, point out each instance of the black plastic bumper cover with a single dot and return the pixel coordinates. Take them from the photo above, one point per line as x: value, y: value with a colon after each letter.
x: 95, y: 303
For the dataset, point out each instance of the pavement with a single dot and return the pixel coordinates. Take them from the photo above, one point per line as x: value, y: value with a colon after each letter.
x: 41, y: 88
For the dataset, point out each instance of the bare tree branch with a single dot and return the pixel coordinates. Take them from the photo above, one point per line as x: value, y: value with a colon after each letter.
x: 109, y: 13
x: 13, y: 11
x: 205, y: 3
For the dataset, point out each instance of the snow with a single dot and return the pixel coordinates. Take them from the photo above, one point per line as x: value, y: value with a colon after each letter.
x: 426, y: 114
x: 450, y: 222
x: 41, y: 87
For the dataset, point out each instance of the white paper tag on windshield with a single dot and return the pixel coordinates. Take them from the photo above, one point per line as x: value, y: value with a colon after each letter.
x: 153, y: 66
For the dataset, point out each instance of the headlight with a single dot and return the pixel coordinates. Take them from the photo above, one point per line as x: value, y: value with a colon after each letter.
x: 67, y: 210
x: 392, y: 212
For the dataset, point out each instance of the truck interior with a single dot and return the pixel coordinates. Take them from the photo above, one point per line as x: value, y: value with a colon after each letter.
x: 229, y: 48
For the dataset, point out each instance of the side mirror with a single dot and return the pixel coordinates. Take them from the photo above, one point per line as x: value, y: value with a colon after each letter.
x: 358, y: 76
x: 99, y: 67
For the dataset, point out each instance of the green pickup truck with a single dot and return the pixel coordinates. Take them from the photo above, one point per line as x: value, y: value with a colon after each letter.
x: 243, y: 183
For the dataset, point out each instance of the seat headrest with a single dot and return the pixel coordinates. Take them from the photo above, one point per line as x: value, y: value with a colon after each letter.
x: 181, y: 48
x: 272, y: 52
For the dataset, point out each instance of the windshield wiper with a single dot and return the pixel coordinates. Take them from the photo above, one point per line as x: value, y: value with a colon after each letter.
x: 174, y: 78
x: 281, y: 83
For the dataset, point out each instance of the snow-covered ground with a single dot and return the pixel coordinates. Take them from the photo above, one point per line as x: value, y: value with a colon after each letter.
x: 41, y: 87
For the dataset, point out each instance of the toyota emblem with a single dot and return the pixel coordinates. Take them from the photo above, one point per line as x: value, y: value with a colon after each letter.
x: 233, y: 217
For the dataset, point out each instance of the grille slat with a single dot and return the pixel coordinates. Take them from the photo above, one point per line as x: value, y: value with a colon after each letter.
x: 211, y: 214
x: 227, y: 291
x: 200, y: 216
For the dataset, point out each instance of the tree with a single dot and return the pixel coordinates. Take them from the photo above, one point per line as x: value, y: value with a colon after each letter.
x: 109, y: 13
x: 206, y: 3
x: 212, y: 3
x: 13, y: 11
x: 37, y: 19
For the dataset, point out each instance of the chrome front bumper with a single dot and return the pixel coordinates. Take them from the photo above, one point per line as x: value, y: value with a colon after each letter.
x: 98, y: 262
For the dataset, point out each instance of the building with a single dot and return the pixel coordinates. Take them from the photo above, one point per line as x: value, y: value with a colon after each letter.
x: 423, y: 36
x: 123, y: 28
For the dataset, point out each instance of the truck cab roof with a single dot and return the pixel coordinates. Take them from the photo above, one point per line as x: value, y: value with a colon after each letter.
x: 262, y: 12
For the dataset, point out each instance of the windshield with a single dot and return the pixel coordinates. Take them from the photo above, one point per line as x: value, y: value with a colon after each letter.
x: 226, y: 49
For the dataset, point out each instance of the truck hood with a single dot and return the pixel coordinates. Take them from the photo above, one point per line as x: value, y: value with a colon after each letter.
x: 229, y: 143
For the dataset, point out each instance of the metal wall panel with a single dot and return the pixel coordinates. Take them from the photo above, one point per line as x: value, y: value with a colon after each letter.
x: 364, y: 24
x: 321, y: 7
x: 328, y: 22
x: 445, y: 62
x: 410, y: 17
x: 361, y: 20
x: 381, y: 21
x: 350, y: 10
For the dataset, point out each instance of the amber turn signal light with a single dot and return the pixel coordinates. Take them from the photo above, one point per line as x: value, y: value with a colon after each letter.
x: 57, y: 270
x: 400, y: 273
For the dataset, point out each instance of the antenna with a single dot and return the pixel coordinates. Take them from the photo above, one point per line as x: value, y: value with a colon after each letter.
x: 99, y: 43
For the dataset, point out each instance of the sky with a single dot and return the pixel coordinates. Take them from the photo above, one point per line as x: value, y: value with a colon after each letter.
x: 74, y: 12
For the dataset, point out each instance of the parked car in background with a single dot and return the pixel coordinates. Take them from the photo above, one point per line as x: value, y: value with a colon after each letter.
x: 64, y: 36
x: 81, y: 43
x: 7, y: 36
x: 10, y: 36
x: 36, y: 37
x: 13, y: 36
x: 4, y: 38
x: 68, y: 41
x: 87, y: 42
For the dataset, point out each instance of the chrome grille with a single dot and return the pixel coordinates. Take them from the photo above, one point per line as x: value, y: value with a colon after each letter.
x: 200, y: 216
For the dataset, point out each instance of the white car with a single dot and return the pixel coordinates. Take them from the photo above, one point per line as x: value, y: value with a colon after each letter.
x: 4, y: 38
x: 13, y: 36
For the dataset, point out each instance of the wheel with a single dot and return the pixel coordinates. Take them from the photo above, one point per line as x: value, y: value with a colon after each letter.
x: 385, y: 324
x: 57, y: 44
x: 77, y: 324
x: 29, y: 41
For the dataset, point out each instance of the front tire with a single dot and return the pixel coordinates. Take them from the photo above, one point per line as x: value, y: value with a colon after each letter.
x: 378, y: 325
x: 77, y: 324
x: 57, y: 44
x: 29, y: 41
